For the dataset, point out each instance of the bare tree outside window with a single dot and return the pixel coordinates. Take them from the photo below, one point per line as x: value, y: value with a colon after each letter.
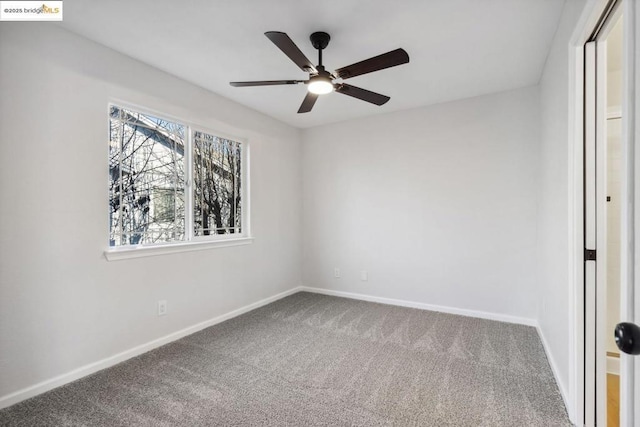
x: 216, y: 176
x: 147, y: 176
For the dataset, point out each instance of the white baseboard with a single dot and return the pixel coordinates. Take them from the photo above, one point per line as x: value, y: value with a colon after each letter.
x: 39, y: 388
x: 556, y: 374
x: 440, y: 308
x: 613, y: 365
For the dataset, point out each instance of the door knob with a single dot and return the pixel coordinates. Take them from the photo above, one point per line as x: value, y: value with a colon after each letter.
x: 628, y: 337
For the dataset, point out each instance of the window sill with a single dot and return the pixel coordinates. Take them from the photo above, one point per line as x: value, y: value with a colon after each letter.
x: 127, y: 252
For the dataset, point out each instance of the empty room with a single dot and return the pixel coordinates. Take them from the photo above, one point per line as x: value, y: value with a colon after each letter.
x: 199, y: 229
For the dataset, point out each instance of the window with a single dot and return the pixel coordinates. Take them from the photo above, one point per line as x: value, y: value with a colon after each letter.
x: 216, y: 178
x: 157, y: 195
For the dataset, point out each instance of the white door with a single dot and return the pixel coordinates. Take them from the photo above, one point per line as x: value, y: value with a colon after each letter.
x: 595, y: 233
x: 628, y: 331
x: 630, y: 255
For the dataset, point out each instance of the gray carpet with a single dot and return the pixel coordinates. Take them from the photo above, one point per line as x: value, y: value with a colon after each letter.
x: 314, y: 360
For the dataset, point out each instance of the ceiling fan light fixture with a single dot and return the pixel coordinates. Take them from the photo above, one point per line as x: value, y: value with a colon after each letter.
x: 320, y: 85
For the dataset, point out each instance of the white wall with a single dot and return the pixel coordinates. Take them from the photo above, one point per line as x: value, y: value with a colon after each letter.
x: 62, y: 305
x: 553, y: 263
x: 438, y: 204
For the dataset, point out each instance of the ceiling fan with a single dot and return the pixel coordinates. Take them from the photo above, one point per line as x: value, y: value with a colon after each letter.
x: 321, y: 81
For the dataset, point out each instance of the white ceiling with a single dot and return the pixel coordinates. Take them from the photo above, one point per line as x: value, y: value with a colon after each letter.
x: 458, y: 48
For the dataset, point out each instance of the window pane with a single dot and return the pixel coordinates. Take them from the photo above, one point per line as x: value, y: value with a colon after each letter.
x: 216, y: 193
x: 146, y: 171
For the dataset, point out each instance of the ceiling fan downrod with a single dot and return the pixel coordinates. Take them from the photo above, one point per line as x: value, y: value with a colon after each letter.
x: 320, y: 40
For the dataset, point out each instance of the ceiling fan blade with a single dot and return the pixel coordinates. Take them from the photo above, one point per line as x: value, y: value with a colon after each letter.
x: 380, y: 62
x: 266, y: 83
x: 363, y: 94
x: 308, y: 102
x: 289, y: 48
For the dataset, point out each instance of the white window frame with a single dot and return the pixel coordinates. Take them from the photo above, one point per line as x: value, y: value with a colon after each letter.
x: 191, y: 242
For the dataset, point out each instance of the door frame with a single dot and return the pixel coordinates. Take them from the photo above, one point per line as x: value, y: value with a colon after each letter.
x: 630, y: 368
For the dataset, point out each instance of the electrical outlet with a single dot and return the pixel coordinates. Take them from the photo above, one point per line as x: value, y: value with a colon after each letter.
x: 162, y: 308
x: 336, y: 273
x: 364, y: 276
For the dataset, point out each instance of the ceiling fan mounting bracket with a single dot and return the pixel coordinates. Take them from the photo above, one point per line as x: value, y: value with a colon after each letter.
x: 320, y: 40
